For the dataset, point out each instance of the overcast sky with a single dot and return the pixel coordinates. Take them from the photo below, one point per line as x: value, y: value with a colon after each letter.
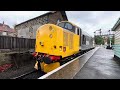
x: 89, y: 21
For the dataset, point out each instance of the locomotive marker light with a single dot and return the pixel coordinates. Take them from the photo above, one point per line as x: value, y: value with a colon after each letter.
x: 64, y: 49
x: 60, y: 48
x: 50, y: 36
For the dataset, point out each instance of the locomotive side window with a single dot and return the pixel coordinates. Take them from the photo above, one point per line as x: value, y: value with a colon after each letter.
x: 83, y: 39
x: 78, y: 31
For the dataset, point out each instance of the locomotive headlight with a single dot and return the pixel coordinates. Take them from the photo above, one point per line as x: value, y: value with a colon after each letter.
x: 64, y: 49
x: 50, y: 35
x: 60, y: 48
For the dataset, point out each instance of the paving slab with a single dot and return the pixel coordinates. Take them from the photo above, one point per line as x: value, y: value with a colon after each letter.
x: 101, y: 65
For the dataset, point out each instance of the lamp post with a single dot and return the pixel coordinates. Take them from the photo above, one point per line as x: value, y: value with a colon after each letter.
x: 94, y: 38
x: 109, y: 37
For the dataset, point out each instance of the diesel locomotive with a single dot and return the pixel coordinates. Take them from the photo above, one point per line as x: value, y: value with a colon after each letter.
x: 55, y: 42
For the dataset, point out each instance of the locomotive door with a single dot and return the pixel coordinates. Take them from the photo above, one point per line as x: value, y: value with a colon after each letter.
x: 78, y: 32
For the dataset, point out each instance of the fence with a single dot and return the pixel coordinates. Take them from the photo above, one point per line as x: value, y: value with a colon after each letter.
x: 7, y: 42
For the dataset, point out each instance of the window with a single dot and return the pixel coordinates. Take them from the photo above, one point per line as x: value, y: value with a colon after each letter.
x: 78, y: 33
x: 4, y: 33
x: 61, y: 25
x: 83, y: 39
x: 68, y: 26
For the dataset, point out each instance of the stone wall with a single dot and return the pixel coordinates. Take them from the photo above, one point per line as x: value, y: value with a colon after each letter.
x: 15, y: 58
x: 53, y: 18
x: 29, y: 28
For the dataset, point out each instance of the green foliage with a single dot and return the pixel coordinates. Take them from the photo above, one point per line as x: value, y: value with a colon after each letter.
x: 99, y: 40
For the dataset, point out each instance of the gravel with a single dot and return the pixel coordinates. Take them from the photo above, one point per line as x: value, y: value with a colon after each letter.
x: 14, y: 71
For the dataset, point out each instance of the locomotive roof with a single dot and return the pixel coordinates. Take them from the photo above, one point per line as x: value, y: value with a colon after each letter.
x: 116, y: 25
x: 85, y: 33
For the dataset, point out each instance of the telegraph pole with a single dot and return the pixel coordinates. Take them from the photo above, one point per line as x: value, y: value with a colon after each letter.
x: 96, y: 34
x: 100, y: 32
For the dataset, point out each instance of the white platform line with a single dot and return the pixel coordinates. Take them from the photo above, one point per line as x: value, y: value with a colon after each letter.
x: 50, y: 73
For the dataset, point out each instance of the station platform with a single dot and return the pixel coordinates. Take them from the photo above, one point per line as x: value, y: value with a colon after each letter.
x: 101, y: 65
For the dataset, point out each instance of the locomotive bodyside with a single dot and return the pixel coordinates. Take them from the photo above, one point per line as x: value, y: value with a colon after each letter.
x: 86, y: 41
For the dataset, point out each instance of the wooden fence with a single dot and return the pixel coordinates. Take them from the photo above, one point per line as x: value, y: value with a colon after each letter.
x: 7, y: 42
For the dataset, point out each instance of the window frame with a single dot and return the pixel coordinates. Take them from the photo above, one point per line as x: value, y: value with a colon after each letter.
x: 67, y: 26
x: 83, y: 39
x: 71, y: 30
x: 61, y: 23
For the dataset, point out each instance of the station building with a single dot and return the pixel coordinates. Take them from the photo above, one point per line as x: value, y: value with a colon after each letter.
x: 116, y: 28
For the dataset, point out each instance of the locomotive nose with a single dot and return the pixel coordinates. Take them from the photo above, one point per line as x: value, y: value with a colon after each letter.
x: 44, y: 36
x: 45, y: 32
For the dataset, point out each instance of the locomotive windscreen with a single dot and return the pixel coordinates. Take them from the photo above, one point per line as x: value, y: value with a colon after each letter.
x: 67, y: 26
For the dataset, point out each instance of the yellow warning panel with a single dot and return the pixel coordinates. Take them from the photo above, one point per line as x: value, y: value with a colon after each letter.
x: 47, y: 67
x: 50, y: 67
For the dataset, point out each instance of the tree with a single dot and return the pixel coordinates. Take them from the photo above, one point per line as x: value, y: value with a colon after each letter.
x: 99, y: 40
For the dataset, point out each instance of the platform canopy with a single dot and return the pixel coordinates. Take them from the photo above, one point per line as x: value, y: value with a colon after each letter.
x: 116, y: 25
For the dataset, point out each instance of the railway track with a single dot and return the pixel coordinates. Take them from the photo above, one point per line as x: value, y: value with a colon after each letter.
x: 30, y: 75
x: 35, y: 74
x: 65, y: 60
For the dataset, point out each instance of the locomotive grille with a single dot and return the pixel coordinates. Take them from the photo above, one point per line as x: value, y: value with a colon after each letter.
x: 71, y: 41
x: 65, y: 39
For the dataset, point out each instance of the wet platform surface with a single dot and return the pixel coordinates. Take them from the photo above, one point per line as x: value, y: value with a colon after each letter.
x: 101, y: 65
